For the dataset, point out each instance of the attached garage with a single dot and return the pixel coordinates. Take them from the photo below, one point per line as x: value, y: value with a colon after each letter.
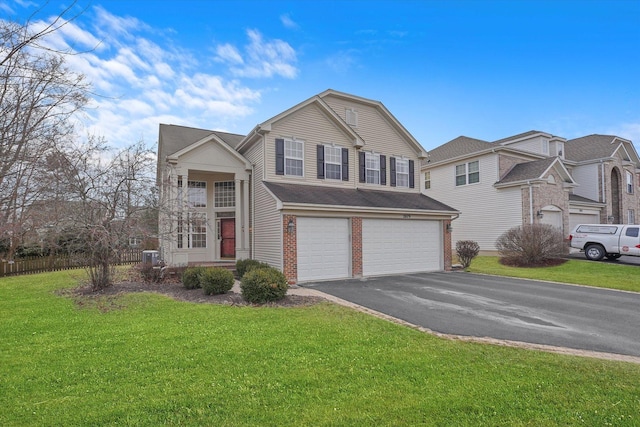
x: 324, y: 248
x: 576, y: 218
x: 392, y: 246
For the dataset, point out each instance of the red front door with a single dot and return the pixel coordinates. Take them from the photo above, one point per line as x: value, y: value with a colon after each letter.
x: 228, y: 238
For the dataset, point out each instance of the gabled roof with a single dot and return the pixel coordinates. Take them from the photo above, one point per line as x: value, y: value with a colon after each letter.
x: 318, y: 100
x: 300, y: 194
x: 583, y: 200
x: 521, y: 136
x: 457, y: 147
x: 595, y: 147
x: 535, y: 170
x: 174, y: 138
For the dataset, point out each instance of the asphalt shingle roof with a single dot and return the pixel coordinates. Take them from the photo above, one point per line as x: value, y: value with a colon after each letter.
x: 576, y: 198
x: 351, y: 197
x: 590, y: 147
x: 174, y: 138
x: 459, y: 146
x: 528, y: 170
x: 518, y: 136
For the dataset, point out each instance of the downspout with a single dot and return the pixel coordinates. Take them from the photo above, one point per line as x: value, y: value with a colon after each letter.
x: 603, y: 194
x: 530, y: 202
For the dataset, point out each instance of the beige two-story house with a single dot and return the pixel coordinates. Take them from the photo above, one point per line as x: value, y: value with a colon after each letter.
x: 533, y: 177
x: 327, y: 189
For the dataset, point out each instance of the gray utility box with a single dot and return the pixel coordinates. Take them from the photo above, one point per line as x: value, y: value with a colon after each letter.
x: 151, y: 257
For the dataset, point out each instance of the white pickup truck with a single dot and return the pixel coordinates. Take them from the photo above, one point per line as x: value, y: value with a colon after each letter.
x: 606, y: 240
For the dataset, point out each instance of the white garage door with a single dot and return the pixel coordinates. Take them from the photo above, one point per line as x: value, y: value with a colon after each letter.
x: 582, y: 218
x: 324, y: 248
x: 400, y: 246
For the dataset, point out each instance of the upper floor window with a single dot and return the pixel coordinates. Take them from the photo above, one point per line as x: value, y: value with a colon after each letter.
x: 332, y: 162
x: 224, y: 195
x: 289, y: 157
x: 561, y: 150
x: 545, y: 146
x: 372, y: 166
x: 197, y: 194
x: 427, y: 180
x: 402, y: 173
x: 629, y: 182
x: 468, y: 173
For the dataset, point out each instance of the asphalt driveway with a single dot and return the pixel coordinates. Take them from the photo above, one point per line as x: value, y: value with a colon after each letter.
x: 528, y: 311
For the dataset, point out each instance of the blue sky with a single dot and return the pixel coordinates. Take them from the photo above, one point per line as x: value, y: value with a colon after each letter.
x: 483, y: 69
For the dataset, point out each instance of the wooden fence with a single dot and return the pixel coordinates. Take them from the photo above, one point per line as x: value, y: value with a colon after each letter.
x: 31, y: 265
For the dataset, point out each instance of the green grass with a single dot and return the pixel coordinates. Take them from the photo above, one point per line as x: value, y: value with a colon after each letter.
x: 590, y: 273
x: 144, y: 359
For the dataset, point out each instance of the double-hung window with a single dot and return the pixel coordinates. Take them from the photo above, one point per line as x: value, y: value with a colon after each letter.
x: 427, y: 180
x: 293, y: 157
x: 197, y: 230
x: 402, y: 173
x: 332, y: 162
x: 467, y: 173
x: 629, y: 176
x: 372, y: 166
x: 197, y: 194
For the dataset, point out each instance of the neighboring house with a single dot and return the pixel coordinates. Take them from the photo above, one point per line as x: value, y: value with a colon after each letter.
x: 327, y: 189
x: 533, y: 177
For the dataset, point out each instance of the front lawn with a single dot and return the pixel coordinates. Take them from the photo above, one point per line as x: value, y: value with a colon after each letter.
x: 144, y: 359
x: 590, y: 273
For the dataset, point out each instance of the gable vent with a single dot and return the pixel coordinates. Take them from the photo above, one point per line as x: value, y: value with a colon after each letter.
x: 352, y: 117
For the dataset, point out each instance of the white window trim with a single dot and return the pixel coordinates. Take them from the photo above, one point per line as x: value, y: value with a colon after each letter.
x: 466, y: 173
x: 195, y: 185
x: 327, y: 162
x: 287, y: 157
x: 191, y: 232
x: 427, y: 180
x: 631, y: 216
x: 367, y: 168
x: 405, y: 163
x: 629, y: 179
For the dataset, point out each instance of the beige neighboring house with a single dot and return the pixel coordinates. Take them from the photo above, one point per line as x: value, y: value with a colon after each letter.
x: 534, y: 177
x: 327, y: 189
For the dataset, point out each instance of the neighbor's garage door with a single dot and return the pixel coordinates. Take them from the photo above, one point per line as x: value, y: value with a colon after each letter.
x: 582, y: 218
x: 400, y: 246
x: 324, y: 248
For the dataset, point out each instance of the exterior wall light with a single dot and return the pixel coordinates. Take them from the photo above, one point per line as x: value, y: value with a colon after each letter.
x: 539, y: 214
x: 449, y: 228
x: 291, y: 226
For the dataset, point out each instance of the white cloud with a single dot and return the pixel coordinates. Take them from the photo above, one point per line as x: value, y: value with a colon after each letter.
x: 262, y: 58
x: 288, y: 22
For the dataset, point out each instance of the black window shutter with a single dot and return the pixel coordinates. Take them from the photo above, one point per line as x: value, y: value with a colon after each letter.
x: 392, y: 172
x: 383, y: 170
x: 279, y: 156
x: 320, y: 151
x: 345, y: 164
x: 362, y: 166
x: 412, y: 183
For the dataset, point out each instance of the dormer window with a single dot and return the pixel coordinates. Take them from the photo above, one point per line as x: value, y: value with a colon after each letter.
x: 351, y: 117
x: 561, y: 150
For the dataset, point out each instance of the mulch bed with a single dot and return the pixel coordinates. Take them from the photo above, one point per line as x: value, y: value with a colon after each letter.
x: 106, y: 299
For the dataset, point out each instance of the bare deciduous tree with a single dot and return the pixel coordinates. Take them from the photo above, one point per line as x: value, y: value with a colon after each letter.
x: 38, y: 97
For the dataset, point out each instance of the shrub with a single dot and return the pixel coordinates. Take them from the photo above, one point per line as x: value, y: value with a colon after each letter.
x: 191, y: 277
x: 264, y: 285
x: 151, y: 274
x: 467, y: 250
x: 245, y: 265
x: 216, y: 281
x: 531, y: 244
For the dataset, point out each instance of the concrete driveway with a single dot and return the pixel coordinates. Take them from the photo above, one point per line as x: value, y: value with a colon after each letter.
x: 458, y: 303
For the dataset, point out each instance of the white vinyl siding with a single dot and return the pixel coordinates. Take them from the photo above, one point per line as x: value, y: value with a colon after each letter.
x: 267, y: 228
x: 494, y: 210
x: 587, y: 177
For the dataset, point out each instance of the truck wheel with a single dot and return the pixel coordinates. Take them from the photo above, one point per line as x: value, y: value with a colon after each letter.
x: 594, y: 252
x: 613, y: 257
